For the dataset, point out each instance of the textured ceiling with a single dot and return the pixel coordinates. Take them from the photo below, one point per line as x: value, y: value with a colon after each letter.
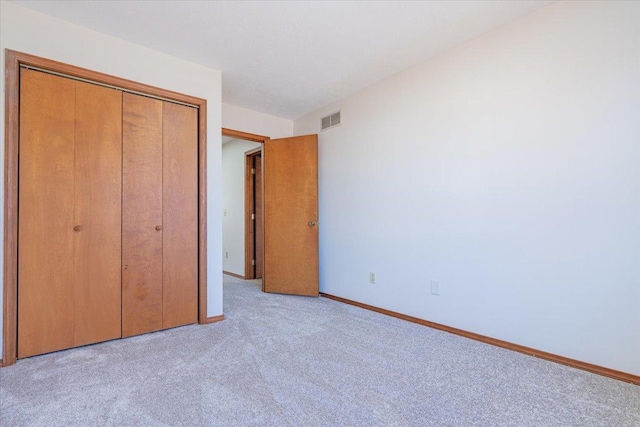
x: 291, y: 58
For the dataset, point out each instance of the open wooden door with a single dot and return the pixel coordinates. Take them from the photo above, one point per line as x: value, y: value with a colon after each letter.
x: 291, y: 215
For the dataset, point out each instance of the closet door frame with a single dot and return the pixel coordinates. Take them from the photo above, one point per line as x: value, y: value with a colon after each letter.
x: 13, y: 61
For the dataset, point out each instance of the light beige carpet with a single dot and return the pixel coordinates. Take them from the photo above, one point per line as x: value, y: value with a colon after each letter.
x: 294, y: 361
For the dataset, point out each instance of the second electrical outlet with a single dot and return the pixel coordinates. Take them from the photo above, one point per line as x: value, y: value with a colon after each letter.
x: 372, y: 277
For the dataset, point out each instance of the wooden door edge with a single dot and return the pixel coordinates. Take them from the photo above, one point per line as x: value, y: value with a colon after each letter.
x: 13, y: 60
x: 249, y: 231
x: 202, y: 213
x: 249, y: 228
x: 10, y: 273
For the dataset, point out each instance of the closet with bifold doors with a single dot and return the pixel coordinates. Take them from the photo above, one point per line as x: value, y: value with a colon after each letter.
x: 107, y: 214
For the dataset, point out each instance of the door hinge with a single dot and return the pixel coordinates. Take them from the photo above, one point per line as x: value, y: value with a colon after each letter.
x: 253, y: 262
x: 253, y: 217
x: 253, y: 171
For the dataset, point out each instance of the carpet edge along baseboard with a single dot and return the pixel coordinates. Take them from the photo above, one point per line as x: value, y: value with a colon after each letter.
x: 239, y: 276
x: 214, y: 319
x: 596, y: 369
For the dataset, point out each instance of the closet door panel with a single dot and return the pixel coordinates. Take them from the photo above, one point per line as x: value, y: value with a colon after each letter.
x: 98, y: 214
x: 141, y: 215
x: 180, y: 215
x: 45, y: 249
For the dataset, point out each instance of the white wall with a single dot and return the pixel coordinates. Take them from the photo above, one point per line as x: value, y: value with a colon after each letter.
x: 233, y: 170
x: 28, y: 31
x: 242, y: 119
x: 508, y: 169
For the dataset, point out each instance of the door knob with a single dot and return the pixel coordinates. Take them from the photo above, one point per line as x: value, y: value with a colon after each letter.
x: 77, y: 228
x: 312, y: 223
x: 158, y: 227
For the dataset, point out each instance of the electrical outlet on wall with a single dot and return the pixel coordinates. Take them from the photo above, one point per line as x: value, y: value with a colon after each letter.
x: 435, y: 287
x: 226, y: 254
x: 372, y: 278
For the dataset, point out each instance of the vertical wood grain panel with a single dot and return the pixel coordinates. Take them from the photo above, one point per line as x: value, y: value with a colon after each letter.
x: 290, y: 203
x: 141, y: 214
x: 180, y: 215
x: 46, y: 192
x: 98, y: 190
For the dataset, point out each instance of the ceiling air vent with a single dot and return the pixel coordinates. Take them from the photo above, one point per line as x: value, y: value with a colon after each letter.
x: 330, y: 121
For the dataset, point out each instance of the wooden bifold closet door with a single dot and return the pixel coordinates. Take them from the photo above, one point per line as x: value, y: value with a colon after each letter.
x: 108, y: 214
x: 69, y: 213
x: 160, y: 214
